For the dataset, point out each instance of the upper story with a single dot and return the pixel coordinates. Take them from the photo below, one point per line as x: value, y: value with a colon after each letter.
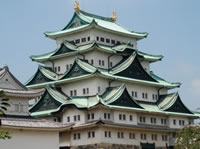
x: 16, y: 93
x: 117, y: 106
x: 85, y: 28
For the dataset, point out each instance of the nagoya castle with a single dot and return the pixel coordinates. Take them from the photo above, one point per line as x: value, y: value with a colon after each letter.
x: 101, y: 84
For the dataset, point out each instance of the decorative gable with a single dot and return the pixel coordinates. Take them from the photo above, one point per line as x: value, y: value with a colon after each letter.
x: 47, y: 102
x: 179, y: 107
x: 136, y: 71
x: 39, y: 78
x: 63, y: 49
x: 75, y: 22
x: 125, y: 100
x: 75, y: 71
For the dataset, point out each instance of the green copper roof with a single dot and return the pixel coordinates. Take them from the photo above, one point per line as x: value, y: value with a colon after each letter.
x: 87, y: 71
x: 68, y: 49
x: 82, y: 20
x: 114, y: 97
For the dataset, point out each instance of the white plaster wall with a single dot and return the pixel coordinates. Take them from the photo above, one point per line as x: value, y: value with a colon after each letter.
x: 113, y: 36
x: 149, y: 116
x: 171, y: 123
x: 139, y: 89
x: 71, y: 112
x: 91, y: 83
x: 84, y: 137
x: 127, y: 121
x: 93, y: 33
x: 75, y: 36
x: 94, y: 55
x: 115, y: 140
x: 22, y: 104
x: 28, y: 139
x: 62, y: 62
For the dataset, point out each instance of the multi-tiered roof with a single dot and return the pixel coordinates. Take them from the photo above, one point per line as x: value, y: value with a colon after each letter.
x: 129, y: 69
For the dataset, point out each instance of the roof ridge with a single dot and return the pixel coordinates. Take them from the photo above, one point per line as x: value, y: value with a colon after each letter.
x: 96, y: 16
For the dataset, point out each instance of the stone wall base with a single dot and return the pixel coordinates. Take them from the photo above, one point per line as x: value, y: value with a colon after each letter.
x: 110, y: 146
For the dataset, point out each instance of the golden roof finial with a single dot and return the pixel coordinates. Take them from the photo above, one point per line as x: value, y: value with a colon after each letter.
x: 114, y: 17
x: 76, y: 6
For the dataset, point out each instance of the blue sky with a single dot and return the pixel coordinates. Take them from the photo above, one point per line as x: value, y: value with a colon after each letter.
x: 173, y: 27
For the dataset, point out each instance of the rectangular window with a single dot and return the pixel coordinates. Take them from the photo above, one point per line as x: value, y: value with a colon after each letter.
x: 122, y: 135
x: 107, y: 40
x: 99, y: 89
x: 88, y: 116
x: 135, y: 94
x: 68, y: 119
x: 131, y: 135
x: 102, y: 39
x: 102, y: 63
x: 108, y: 115
x: 92, y: 62
x: 71, y: 93
x: 88, y: 38
x: 99, y: 62
x: 174, y: 122
x: 180, y: 122
x: 124, y: 117
x: 92, y: 116
x: 74, y: 136
x: 131, y: 118
x: 105, y: 116
x: 97, y: 38
x: 111, y: 64
x: 79, y: 117
x: 143, y: 95
x: 55, y: 69
x: 93, y: 134
x: 77, y: 41
x: 120, y: 117
x: 74, y: 118
x: 109, y: 134
x: 87, y: 90
x: 146, y: 96
x: 83, y: 40
x: 84, y: 91
x: 58, y: 68
x: 75, y: 93
x: 89, y: 134
x: 118, y: 134
x: 79, y: 136
x: 183, y: 122
x: 144, y: 119
x: 105, y: 134
x: 154, y: 137
x: 113, y: 41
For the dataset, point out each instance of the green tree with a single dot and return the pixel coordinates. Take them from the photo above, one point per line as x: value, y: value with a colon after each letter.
x: 188, y: 138
x: 3, y: 107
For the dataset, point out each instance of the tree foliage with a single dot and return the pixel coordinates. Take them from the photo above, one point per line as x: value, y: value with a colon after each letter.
x: 3, y: 107
x: 188, y: 138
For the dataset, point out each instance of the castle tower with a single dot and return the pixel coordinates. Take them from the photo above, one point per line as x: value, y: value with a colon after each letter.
x: 100, y: 82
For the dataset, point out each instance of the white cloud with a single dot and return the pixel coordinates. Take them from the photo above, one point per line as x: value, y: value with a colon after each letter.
x: 196, y: 86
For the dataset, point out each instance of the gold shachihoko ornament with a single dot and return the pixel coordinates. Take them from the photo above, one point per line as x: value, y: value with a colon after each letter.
x: 114, y: 17
x: 76, y: 6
